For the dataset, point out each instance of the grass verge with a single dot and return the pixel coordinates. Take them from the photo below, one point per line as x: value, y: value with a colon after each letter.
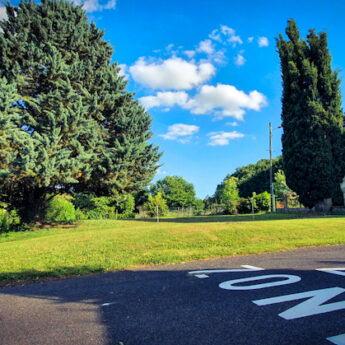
x: 108, y: 245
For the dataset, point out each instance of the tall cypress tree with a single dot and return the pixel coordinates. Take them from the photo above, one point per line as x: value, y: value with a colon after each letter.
x: 312, y: 119
x: 67, y: 122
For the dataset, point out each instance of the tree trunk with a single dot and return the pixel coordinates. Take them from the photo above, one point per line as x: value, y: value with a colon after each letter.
x: 34, y: 205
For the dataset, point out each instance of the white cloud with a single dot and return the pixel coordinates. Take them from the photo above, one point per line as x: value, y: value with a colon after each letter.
x: 231, y: 35
x: 222, y: 100
x: 239, y: 60
x: 3, y: 14
x: 227, y: 31
x: 218, y: 56
x: 208, y: 48
x: 165, y: 99
x: 169, y: 47
x: 173, y: 73
x: 234, y: 40
x: 232, y: 124
x: 263, y: 42
x: 225, y: 100
x: 205, y: 47
x: 223, y: 138
x: 250, y: 39
x: 178, y: 130
x: 190, y: 53
x: 215, y: 35
x: 95, y: 5
x: 123, y: 70
x: 111, y: 4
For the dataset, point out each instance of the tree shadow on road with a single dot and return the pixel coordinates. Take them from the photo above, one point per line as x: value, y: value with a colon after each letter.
x: 158, y: 307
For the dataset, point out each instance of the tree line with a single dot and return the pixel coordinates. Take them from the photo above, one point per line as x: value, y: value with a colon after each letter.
x: 71, y: 134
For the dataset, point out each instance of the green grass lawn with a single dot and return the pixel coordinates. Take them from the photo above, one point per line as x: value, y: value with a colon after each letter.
x: 109, y: 245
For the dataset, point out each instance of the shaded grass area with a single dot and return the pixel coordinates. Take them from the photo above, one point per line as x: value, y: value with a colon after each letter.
x: 110, y: 245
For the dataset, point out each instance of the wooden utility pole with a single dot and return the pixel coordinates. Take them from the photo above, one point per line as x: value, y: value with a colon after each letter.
x: 271, y: 172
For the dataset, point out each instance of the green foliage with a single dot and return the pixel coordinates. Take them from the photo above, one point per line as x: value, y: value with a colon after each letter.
x: 60, y: 209
x: 312, y: 119
x: 199, y: 206
x: 251, y: 178
x: 84, y: 201
x: 116, y: 206
x: 9, y: 220
x: 230, y: 195
x: 263, y: 201
x: 127, y: 207
x: 338, y: 198
x: 154, y: 201
x: 176, y: 191
x: 244, y: 206
x: 248, y: 205
x: 102, y: 208
x: 280, y: 186
x: 80, y: 215
x: 67, y: 122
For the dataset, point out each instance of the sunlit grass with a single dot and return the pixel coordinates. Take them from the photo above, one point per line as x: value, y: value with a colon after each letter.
x: 109, y: 245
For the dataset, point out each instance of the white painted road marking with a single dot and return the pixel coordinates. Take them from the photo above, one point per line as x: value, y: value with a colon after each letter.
x: 110, y: 303
x: 338, y: 339
x: 204, y: 273
x: 313, y: 306
x: 287, y: 279
x: 336, y: 270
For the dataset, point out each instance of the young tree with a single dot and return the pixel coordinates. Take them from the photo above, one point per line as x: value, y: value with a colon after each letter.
x: 280, y: 186
x: 154, y: 203
x: 176, y: 191
x: 67, y: 123
x: 230, y: 195
x: 312, y: 119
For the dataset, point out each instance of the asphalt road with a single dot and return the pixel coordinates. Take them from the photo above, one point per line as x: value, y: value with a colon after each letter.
x: 294, y: 303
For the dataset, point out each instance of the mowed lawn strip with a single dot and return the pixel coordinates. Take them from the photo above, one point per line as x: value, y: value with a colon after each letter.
x: 109, y: 245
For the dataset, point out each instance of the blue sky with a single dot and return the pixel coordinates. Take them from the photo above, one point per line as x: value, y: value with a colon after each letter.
x: 209, y: 74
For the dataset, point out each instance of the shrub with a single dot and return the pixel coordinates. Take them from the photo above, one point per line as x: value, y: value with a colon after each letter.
x: 151, y: 204
x: 95, y: 214
x: 263, y: 201
x: 127, y: 207
x: 84, y: 201
x: 244, y: 206
x: 247, y: 205
x: 105, y: 207
x: 60, y: 209
x: 102, y: 208
x: 199, y: 206
x: 80, y: 215
x: 9, y: 220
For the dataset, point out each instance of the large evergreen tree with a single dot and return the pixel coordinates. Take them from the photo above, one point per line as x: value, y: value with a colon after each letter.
x: 312, y: 118
x: 66, y: 119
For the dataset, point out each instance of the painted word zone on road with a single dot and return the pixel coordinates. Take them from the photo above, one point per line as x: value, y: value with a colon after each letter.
x: 315, y: 302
